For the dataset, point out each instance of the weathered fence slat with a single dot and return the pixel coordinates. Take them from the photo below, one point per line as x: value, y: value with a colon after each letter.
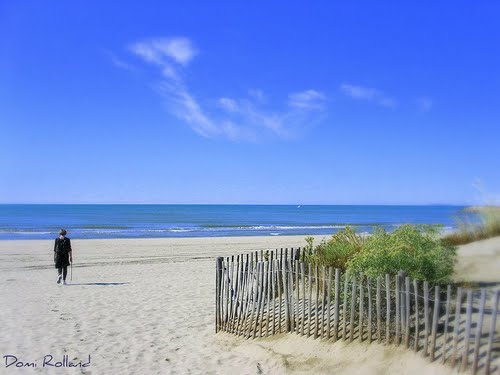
x: 235, y: 294
x: 353, y: 306
x: 246, y: 297
x: 226, y: 285
x: 407, y: 316
x: 446, y: 323
x: 398, y: 309
x: 417, y: 320
x: 369, y: 287
x: 285, y: 294
x: 456, y: 328
x: 316, y: 305
x: 337, y: 300
x: 323, y: 303
x: 426, y: 318
x: 379, y: 310
x: 468, y: 317
x: 273, y: 291
x: 297, y: 299
x: 268, y: 296
x: 265, y: 300
x: 479, y: 329
x: 218, y: 271
x: 231, y: 290
x: 303, y: 272
x: 329, y: 299
x: 290, y: 294
x: 361, y: 308
x: 388, y: 301
x: 435, y: 319
x: 344, y: 306
x: 309, y: 280
x: 279, y: 282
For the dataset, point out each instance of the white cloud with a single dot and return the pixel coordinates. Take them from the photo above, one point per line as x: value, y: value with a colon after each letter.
x: 163, y: 50
x: 424, y: 104
x: 367, y: 93
x: 232, y: 118
x: 228, y: 104
x: 309, y: 99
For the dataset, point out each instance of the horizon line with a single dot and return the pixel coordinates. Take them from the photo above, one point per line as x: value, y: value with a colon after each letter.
x: 245, y: 204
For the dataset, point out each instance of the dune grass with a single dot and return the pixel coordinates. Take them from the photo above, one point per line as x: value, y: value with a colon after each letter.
x: 418, y: 251
x: 488, y: 226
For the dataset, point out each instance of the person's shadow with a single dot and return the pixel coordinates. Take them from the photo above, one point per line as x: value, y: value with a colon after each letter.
x: 98, y: 284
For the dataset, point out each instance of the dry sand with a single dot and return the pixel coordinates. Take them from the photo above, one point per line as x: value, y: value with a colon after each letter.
x: 147, y: 307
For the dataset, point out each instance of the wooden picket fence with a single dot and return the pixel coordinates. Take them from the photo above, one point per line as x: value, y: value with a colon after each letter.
x: 279, y: 292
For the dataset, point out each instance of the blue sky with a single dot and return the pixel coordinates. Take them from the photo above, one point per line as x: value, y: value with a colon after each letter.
x: 250, y: 102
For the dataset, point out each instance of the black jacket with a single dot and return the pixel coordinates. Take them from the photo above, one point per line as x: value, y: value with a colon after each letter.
x: 62, y: 248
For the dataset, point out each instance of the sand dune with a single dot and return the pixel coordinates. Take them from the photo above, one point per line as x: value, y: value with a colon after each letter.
x: 146, y: 306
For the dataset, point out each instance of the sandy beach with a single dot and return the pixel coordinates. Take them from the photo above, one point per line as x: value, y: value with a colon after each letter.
x: 146, y: 306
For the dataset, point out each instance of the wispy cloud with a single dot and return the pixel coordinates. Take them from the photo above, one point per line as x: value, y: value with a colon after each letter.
x: 368, y: 94
x: 228, y: 104
x: 424, y: 104
x: 232, y: 118
x: 161, y: 51
x: 309, y: 99
x: 116, y: 61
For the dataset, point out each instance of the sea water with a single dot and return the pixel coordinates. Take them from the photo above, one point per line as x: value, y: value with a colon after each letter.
x: 27, y: 221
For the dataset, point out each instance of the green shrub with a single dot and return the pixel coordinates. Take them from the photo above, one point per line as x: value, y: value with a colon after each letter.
x: 336, y: 251
x: 416, y: 250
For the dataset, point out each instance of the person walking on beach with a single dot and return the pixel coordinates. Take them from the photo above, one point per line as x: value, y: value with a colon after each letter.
x: 63, y: 256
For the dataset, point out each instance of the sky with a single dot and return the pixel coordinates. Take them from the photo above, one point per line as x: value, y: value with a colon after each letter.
x: 261, y: 102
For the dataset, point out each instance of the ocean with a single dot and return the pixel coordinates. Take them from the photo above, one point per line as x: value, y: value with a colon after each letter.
x: 25, y: 221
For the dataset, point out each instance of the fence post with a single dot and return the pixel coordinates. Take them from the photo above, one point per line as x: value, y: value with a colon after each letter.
x: 402, y: 303
x: 297, y: 310
x: 417, y: 317
x: 285, y: 292
x: 426, y: 318
x: 446, y: 322
x: 218, y: 276
x: 398, y: 310
x: 353, y: 307
x: 435, y: 319
x: 290, y: 294
x: 303, y: 272
x: 379, y: 309
x: 369, y: 286
x: 361, y: 307
x: 388, y: 301
x: 329, y: 299
x: 316, y: 306
x: 479, y: 331
x: 407, y: 321
x: 323, y: 300
x: 468, y: 317
x: 337, y: 299
x: 456, y: 327
x: 309, y: 279
x: 344, y: 306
